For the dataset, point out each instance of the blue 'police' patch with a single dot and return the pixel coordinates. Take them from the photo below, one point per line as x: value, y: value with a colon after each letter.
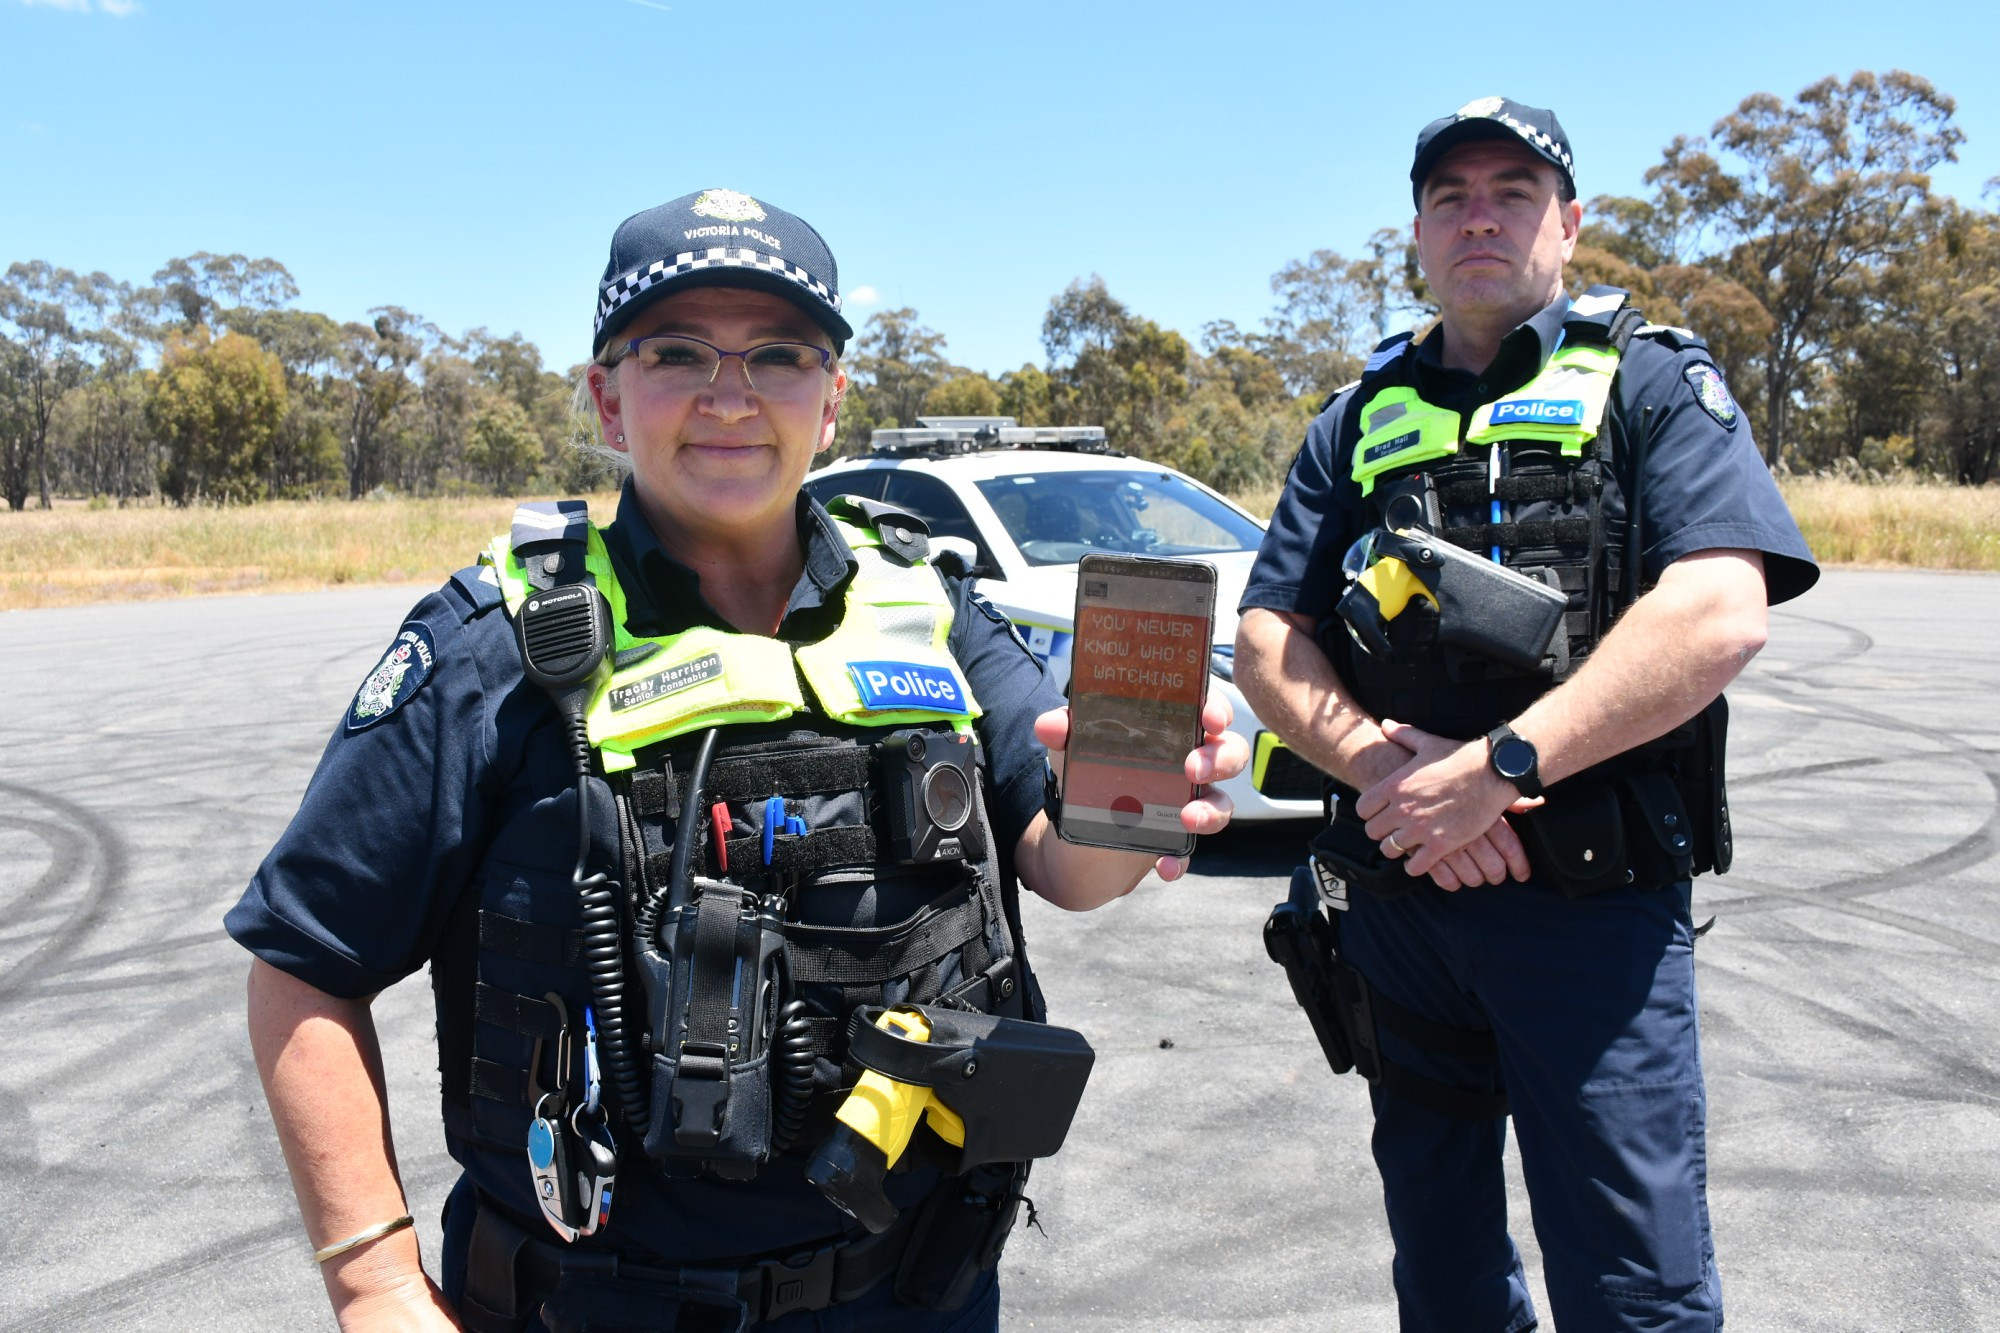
x: 907, y: 685
x: 1712, y: 393
x: 396, y: 678
x: 1538, y: 411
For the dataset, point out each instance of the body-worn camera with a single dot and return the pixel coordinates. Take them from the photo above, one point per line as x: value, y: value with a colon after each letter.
x: 928, y: 791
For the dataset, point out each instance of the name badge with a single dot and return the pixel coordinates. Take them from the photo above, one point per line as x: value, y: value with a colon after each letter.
x: 887, y: 685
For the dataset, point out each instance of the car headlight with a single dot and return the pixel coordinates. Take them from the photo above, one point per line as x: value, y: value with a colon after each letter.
x: 1222, y: 660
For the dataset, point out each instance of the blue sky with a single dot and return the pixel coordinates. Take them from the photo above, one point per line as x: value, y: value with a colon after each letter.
x: 468, y: 161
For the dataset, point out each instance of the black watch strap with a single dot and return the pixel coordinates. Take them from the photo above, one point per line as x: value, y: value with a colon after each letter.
x: 1051, y: 795
x: 1513, y: 757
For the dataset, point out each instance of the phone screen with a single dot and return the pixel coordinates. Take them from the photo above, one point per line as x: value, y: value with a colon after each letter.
x: 1138, y: 677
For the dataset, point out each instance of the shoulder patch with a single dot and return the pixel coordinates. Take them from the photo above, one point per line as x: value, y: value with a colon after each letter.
x: 396, y: 678
x: 1673, y: 335
x: 1712, y: 393
x: 480, y: 586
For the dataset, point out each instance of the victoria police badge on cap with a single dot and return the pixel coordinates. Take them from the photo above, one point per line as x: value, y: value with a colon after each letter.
x: 1480, y: 108
x: 898, y: 685
x: 396, y: 678
x: 1712, y: 393
x: 727, y: 206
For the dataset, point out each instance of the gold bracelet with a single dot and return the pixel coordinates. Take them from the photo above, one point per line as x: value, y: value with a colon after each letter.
x: 375, y: 1232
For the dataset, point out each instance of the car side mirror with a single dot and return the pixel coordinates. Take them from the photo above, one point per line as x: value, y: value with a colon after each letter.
x: 967, y: 553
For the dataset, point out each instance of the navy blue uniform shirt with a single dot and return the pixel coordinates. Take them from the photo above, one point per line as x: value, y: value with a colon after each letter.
x: 1705, y: 486
x: 394, y: 824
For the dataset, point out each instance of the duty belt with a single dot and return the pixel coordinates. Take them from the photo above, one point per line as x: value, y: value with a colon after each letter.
x: 810, y: 1278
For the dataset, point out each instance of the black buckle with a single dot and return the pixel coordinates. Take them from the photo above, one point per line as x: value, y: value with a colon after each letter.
x: 803, y: 1281
x: 700, y: 1092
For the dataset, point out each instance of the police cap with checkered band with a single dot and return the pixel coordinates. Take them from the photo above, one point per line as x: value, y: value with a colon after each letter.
x: 1493, y: 118
x: 717, y: 238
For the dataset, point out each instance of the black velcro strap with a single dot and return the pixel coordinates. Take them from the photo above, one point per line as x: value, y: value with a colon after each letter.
x: 529, y: 941
x: 752, y: 777
x: 1413, y: 1027
x: 498, y: 1083
x: 1441, y: 1097
x: 843, y: 956
x: 1534, y: 532
x: 654, y: 791
x: 718, y: 915
x: 516, y: 1013
x: 1567, y: 486
x: 797, y: 853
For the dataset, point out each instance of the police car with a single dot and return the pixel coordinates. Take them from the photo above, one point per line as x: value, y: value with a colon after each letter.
x: 1024, y: 504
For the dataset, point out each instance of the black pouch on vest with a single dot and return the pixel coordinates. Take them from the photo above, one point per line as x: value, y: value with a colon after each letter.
x: 1576, y: 837
x: 1345, y: 845
x: 958, y: 1235
x: 715, y: 994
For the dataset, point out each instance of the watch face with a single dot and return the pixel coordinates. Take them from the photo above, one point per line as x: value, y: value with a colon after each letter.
x: 1513, y: 757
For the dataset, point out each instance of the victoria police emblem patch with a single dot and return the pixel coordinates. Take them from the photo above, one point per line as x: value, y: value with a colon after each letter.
x: 1712, y: 393
x: 396, y: 678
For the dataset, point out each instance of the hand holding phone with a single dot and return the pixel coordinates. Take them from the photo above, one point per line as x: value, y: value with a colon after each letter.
x: 1138, y: 680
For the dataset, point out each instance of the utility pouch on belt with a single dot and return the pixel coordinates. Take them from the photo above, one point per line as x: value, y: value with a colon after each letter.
x: 958, y: 1235
x: 713, y: 986
x: 1576, y: 837
x: 1600, y: 830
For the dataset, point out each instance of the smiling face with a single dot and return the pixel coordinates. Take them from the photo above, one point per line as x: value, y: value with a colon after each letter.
x: 1492, y: 233
x: 722, y: 462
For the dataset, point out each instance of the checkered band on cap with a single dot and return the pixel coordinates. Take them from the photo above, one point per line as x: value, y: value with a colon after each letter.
x: 629, y: 287
x: 1548, y: 143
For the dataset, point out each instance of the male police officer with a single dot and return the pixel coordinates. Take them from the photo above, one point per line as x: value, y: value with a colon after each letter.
x: 1547, y: 787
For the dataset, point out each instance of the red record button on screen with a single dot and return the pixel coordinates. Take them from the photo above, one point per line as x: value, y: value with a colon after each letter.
x: 1127, y: 811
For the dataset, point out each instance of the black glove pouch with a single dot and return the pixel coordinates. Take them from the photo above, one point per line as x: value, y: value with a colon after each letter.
x: 958, y: 1235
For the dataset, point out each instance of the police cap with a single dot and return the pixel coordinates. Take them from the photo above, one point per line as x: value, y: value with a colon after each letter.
x: 1493, y: 118
x: 717, y: 238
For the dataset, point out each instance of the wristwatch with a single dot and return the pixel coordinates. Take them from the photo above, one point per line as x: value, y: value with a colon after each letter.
x: 1514, y: 758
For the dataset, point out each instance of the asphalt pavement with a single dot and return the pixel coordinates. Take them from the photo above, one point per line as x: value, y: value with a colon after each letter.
x: 1217, y: 1176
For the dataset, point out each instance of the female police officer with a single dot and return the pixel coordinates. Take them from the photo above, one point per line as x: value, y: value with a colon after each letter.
x: 440, y: 824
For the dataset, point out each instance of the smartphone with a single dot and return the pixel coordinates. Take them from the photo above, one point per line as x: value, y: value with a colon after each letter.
x: 1138, y: 679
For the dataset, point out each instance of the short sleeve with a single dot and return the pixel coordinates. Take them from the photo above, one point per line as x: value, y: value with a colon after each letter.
x: 1013, y: 690
x: 1298, y: 565
x: 358, y: 888
x: 1705, y: 486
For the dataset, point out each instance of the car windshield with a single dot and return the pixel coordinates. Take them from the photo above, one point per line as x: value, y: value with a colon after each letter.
x: 1057, y: 518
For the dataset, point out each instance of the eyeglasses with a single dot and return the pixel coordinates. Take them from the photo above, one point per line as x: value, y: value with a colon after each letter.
x: 689, y: 364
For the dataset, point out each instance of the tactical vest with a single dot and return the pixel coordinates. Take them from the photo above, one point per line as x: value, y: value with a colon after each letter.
x: 1530, y: 475
x: 795, y: 809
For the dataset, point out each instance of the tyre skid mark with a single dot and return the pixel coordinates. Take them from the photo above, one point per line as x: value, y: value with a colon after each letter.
x: 101, y: 853
x: 1796, y: 685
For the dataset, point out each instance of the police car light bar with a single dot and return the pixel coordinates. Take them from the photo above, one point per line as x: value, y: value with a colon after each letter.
x: 945, y: 436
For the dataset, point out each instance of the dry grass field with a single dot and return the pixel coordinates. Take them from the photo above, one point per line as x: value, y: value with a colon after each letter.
x: 74, y: 553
